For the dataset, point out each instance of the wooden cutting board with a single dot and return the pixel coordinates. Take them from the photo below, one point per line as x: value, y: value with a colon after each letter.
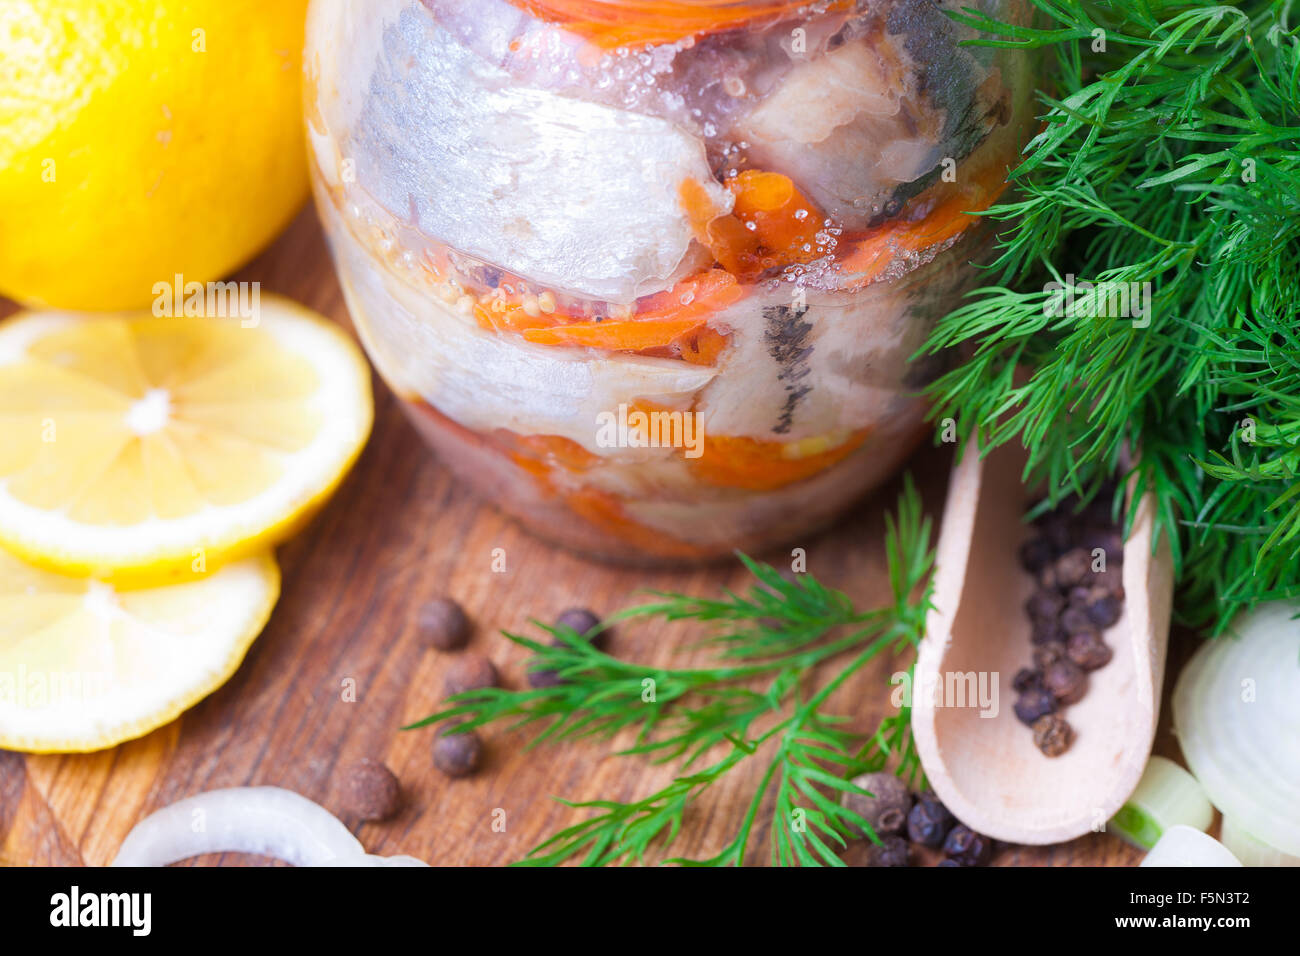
x: 400, y: 532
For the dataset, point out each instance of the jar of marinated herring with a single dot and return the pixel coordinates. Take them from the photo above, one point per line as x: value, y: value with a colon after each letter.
x: 649, y: 273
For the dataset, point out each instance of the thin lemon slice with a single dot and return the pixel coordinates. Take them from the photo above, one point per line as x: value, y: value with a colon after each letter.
x: 140, y: 448
x: 84, y: 665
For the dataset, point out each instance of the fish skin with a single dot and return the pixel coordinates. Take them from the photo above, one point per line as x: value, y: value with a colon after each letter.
x: 578, y: 196
x: 831, y: 361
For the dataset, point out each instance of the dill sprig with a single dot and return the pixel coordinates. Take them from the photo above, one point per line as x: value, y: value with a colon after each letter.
x: 1169, y: 155
x: 748, y: 707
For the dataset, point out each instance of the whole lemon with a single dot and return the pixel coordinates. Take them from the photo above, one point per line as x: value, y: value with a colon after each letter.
x: 144, y: 139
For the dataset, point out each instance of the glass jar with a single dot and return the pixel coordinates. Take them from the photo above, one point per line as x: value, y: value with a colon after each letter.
x: 649, y: 273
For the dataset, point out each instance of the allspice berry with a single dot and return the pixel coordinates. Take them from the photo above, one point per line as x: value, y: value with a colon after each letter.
x: 470, y: 672
x: 887, y: 808
x: 582, y: 622
x: 371, y: 791
x: 442, y: 622
x: 1088, y: 650
x: 457, y: 755
x: 891, y: 851
x: 966, y: 847
x: 1066, y: 681
x: 544, y: 678
x: 1052, y: 735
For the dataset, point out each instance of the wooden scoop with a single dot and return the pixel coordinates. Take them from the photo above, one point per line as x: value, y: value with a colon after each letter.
x: 986, y: 768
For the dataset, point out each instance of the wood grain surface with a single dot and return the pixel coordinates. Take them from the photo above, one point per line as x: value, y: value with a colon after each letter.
x: 400, y: 532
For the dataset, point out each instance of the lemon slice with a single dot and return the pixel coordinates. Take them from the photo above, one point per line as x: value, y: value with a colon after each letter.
x: 84, y: 665
x: 142, y: 449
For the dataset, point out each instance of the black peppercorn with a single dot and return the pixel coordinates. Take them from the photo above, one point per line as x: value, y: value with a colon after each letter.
x: 1047, y: 631
x: 892, y: 851
x: 457, y: 755
x: 1044, y: 604
x: 1073, y: 568
x: 1045, y: 655
x: 371, y: 791
x: 1110, y: 581
x: 443, y: 624
x: 1103, y: 608
x: 1027, y: 678
x: 1035, y: 554
x: 1052, y: 735
x: 470, y: 672
x: 1108, y: 540
x: 1055, y: 530
x: 967, y: 847
x: 929, y: 821
x: 1033, y: 704
x: 1088, y: 650
x: 886, y: 809
x: 582, y: 622
x: 1047, y: 579
x: 1076, y: 619
x: 1065, y: 680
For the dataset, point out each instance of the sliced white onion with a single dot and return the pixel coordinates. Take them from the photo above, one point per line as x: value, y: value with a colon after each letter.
x: 369, y: 859
x: 1165, y: 796
x: 269, y: 821
x: 1186, y: 846
x: 1237, y: 715
x: 1250, y: 849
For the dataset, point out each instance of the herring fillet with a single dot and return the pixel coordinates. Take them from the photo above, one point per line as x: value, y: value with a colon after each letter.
x: 572, y: 194
x: 867, y: 125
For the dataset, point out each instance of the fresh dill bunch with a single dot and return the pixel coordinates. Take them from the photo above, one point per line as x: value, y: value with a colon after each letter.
x: 749, y: 704
x: 1169, y: 158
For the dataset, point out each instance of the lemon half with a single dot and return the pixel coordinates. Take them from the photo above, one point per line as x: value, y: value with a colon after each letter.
x: 147, y: 450
x: 85, y: 666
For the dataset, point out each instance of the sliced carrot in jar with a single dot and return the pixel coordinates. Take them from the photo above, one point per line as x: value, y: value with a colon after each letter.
x: 703, y: 346
x: 872, y: 253
x: 639, y: 22
x: 772, y: 223
x: 785, y: 221
x: 756, y: 465
x: 660, y: 320
x: 622, y: 336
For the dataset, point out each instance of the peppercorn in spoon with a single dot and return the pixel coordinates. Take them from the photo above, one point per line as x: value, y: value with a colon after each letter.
x: 979, y: 757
